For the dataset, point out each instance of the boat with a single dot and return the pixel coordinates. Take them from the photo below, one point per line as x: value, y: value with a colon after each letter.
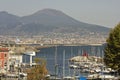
x: 23, y: 74
x: 106, y: 76
x: 101, y: 76
x: 68, y: 78
x: 73, y: 66
x: 92, y: 76
x: 10, y: 75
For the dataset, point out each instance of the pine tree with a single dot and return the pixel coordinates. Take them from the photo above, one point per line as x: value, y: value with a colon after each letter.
x: 112, y: 49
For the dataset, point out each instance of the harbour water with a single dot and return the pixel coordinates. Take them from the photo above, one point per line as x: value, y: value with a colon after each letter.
x: 57, y: 58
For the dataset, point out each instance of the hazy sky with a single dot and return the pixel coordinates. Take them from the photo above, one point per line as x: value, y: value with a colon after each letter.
x: 101, y: 12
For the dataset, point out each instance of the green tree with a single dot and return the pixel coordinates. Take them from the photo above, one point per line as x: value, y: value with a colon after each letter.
x: 112, y: 49
x: 39, y: 71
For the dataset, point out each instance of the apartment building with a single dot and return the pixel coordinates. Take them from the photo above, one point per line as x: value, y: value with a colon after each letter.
x: 4, y: 56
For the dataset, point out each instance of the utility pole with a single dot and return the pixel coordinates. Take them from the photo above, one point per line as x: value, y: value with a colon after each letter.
x: 63, y: 63
x: 18, y: 72
x: 56, y: 62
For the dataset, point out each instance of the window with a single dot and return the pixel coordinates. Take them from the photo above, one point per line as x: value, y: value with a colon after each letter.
x: 5, y: 55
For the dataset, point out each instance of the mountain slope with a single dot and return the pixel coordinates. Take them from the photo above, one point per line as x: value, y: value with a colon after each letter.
x: 6, y: 18
x: 46, y: 20
x: 8, y: 22
x: 51, y: 17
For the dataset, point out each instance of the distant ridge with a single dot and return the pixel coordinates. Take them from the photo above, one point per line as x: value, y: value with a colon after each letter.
x: 50, y: 17
x: 46, y: 20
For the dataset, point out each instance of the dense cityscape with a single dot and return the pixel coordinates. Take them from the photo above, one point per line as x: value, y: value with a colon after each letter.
x: 57, y: 38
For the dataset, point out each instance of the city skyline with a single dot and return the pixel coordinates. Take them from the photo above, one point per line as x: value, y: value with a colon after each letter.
x: 103, y: 12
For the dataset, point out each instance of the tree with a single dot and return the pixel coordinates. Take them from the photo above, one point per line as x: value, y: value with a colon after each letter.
x: 39, y: 71
x: 112, y: 49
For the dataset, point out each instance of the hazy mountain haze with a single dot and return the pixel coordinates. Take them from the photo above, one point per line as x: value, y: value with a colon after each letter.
x: 46, y: 20
x: 100, y: 12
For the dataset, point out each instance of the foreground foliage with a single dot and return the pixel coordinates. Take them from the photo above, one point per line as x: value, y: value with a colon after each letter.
x: 39, y: 71
x: 112, y: 50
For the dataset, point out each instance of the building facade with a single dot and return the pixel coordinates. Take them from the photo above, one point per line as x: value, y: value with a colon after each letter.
x: 4, y: 56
